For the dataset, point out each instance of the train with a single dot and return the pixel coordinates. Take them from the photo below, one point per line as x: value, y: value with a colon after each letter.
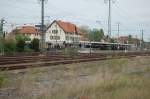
x: 87, y: 45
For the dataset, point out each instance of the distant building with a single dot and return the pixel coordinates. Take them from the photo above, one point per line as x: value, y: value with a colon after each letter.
x: 123, y: 39
x: 30, y: 31
x: 59, y: 32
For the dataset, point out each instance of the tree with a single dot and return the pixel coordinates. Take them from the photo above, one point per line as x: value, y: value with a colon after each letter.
x: 96, y: 35
x: 93, y: 34
x: 130, y: 39
x: 22, y: 37
x: 9, y: 46
x: 85, y: 29
x: 112, y: 40
x: 35, y: 45
x: 20, y: 45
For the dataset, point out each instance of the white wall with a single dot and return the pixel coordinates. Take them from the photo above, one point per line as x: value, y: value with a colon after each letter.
x: 60, y: 34
x: 33, y: 36
x: 67, y: 37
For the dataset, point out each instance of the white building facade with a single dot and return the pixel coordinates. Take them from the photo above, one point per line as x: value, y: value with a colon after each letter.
x: 60, y: 32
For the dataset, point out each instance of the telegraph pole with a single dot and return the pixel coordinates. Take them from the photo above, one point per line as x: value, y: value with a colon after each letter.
x: 109, y: 19
x: 142, y: 42
x: 1, y: 27
x: 109, y: 16
x: 118, y: 33
x: 43, y: 44
x: 1, y: 36
x: 118, y: 30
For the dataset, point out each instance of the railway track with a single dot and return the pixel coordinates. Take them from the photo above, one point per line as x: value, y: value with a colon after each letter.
x: 22, y: 62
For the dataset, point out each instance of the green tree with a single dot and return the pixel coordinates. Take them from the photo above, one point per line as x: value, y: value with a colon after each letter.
x: 96, y: 35
x: 130, y: 39
x: 85, y: 29
x: 22, y: 37
x: 20, y: 42
x: 20, y: 45
x: 9, y: 46
x: 35, y: 45
x: 112, y: 40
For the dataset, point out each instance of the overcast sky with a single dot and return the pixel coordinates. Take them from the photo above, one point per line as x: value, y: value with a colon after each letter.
x: 133, y: 15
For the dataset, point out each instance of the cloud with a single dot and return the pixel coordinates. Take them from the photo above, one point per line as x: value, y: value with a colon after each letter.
x: 130, y: 13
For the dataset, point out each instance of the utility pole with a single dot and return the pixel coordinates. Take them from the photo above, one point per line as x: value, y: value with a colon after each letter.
x: 1, y: 36
x: 109, y: 19
x: 118, y: 33
x: 1, y: 27
x: 109, y: 16
x: 142, y: 39
x: 118, y: 30
x: 43, y: 44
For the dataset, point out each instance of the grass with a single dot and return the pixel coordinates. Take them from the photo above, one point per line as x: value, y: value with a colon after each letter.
x: 123, y: 87
x: 3, y: 80
x: 110, y: 79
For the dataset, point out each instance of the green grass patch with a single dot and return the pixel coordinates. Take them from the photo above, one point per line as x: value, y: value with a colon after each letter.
x: 117, y: 65
x: 3, y: 80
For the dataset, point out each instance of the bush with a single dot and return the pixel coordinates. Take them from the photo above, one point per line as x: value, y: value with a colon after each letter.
x: 20, y: 45
x: 35, y: 45
x: 28, y: 50
x: 9, y: 46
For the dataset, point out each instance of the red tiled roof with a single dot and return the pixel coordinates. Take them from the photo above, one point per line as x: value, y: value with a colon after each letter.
x: 68, y: 27
x: 28, y: 29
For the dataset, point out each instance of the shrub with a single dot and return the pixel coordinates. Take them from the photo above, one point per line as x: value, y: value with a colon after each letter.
x: 35, y: 45
x: 9, y: 46
x: 20, y: 45
x: 28, y: 50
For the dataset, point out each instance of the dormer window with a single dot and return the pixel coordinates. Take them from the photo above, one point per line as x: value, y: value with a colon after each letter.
x: 55, y: 31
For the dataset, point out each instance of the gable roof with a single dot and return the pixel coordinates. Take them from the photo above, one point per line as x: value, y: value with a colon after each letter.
x: 67, y: 27
x: 28, y: 30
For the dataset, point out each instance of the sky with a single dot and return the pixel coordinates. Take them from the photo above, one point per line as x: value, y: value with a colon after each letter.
x: 133, y: 15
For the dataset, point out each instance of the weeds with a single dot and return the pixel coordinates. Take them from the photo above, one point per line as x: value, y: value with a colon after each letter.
x: 3, y: 80
x: 68, y: 84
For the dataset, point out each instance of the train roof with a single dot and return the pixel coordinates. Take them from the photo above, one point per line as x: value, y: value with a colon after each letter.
x: 105, y: 43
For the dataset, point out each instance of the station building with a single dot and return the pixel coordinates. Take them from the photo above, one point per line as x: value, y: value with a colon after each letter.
x: 60, y: 33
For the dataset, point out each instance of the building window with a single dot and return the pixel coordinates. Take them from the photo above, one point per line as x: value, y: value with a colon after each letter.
x: 67, y: 38
x: 55, y: 31
x: 55, y: 26
x: 55, y: 37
